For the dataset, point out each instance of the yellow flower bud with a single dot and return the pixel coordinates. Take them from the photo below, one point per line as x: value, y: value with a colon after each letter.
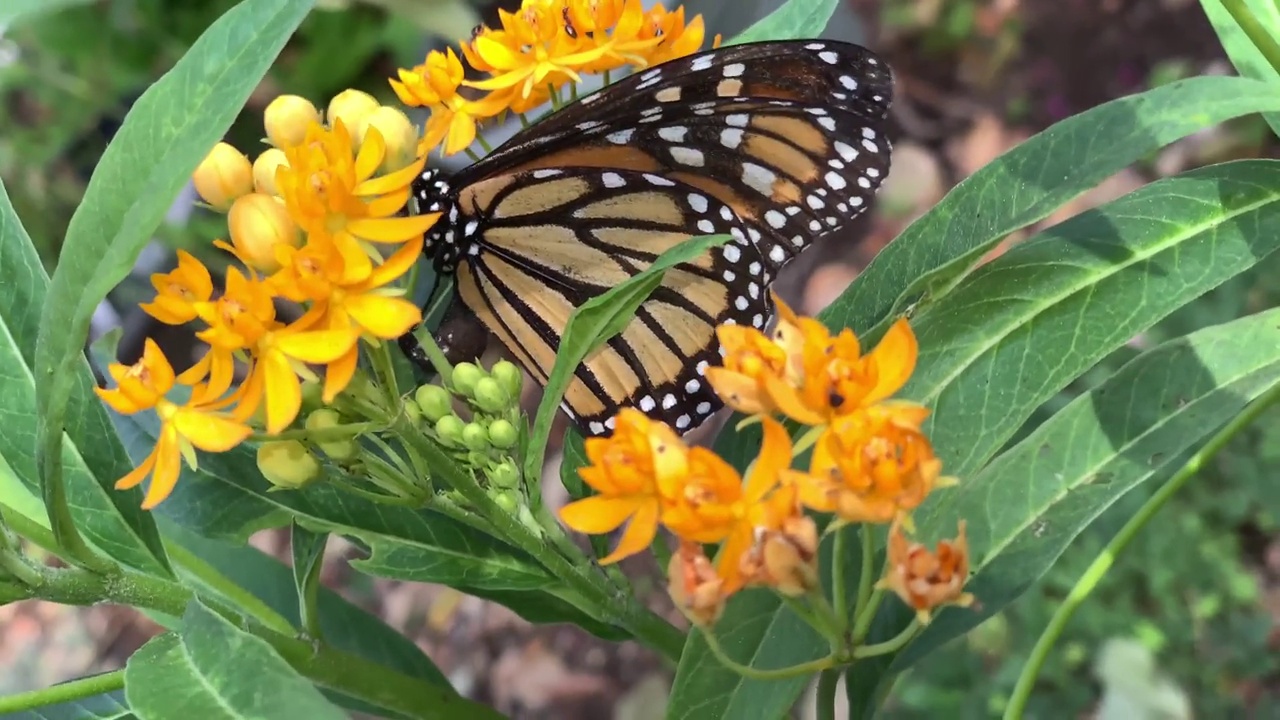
x: 398, y: 133
x: 223, y: 176
x: 287, y: 118
x: 264, y: 170
x: 287, y: 464
x: 353, y: 108
x: 258, y: 223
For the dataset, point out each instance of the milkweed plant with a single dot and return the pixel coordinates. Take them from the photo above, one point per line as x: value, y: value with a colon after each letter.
x: 881, y: 489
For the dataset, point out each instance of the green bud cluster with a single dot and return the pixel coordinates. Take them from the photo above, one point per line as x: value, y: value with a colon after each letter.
x: 482, y: 430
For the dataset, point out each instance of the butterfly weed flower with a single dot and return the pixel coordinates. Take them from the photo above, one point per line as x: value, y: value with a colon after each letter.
x: 694, y: 586
x: 924, y: 579
x: 224, y: 175
x: 257, y: 224
x: 628, y: 470
x: 287, y: 118
x: 872, y: 466
x: 178, y: 291
x: 183, y: 427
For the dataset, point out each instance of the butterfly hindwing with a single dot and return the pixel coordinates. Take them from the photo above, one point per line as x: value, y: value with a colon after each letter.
x: 553, y: 239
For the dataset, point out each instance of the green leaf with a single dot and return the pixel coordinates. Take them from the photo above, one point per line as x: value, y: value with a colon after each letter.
x: 795, y: 19
x: 1028, y: 323
x: 573, y: 457
x: 107, y: 706
x: 111, y: 520
x: 1028, y: 183
x: 405, y: 544
x: 212, y: 669
x: 594, y: 322
x: 1031, y: 502
x: 163, y: 137
x: 15, y: 11
x: 1263, y: 17
x: 344, y: 625
x: 307, y: 549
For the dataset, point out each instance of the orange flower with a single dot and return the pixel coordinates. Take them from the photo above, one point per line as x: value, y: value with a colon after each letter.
x: 532, y: 49
x: 785, y: 558
x: 178, y: 291
x: 331, y: 190
x: 694, y: 586
x: 926, y: 580
x: 631, y: 39
x: 710, y: 503
x: 183, y: 428
x: 675, y: 38
x: 872, y: 466
x: 750, y: 356
x: 434, y: 85
x: 836, y: 378
x: 627, y: 469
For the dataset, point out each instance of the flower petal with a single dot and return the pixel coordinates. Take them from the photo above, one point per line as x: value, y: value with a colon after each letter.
x: 138, y: 474
x: 338, y: 374
x: 775, y: 456
x: 788, y: 401
x: 599, y: 514
x: 318, y: 346
x: 391, y: 230
x: 895, y: 360
x: 209, y: 431
x: 168, y: 466
x: 283, y: 391
x: 384, y: 317
x: 639, y: 533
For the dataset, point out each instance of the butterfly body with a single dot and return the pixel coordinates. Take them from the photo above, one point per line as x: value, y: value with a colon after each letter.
x: 775, y: 144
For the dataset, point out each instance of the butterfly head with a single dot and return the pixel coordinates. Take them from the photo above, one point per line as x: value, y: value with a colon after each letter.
x: 433, y: 194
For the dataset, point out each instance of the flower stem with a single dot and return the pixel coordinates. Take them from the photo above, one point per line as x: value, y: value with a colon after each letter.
x: 838, y: 599
x: 828, y: 681
x: 866, y: 613
x: 892, y: 645
x: 385, y: 371
x: 866, y: 575
x: 329, y: 434
x: 62, y: 692
x: 1101, y: 564
x: 807, y: 440
x: 802, y: 669
x: 581, y: 576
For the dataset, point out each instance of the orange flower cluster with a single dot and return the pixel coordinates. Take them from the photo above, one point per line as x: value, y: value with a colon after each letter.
x: 538, y: 50
x: 310, y: 221
x: 871, y: 463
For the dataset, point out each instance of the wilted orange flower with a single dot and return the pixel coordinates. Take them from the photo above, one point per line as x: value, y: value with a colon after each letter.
x: 694, y: 586
x: 836, y: 378
x: 926, y: 580
x: 871, y: 466
x: 785, y: 558
x: 183, y: 428
x: 330, y: 190
x: 628, y: 469
x: 178, y: 291
x: 711, y: 503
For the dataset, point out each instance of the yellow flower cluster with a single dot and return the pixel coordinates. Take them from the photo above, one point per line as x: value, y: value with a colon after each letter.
x: 871, y: 463
x: 314, y: 222
x: 538, y: 50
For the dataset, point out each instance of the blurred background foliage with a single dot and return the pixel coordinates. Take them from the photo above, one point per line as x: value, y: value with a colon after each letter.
x: 1186, y: 624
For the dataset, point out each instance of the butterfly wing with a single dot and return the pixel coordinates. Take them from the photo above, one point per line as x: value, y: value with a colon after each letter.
x: 776, y: 143
x: 549, y: 240
x: 788, y: 134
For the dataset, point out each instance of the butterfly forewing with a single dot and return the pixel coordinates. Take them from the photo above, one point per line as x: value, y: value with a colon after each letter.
x: 775, y: 143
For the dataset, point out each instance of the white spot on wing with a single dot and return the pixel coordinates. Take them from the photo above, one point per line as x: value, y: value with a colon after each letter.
x: 758, y: 178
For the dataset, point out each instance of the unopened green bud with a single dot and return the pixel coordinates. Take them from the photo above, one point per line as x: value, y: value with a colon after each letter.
x: 508, y: 376
x: 449, y: 428
x: 507, y: 500
x: 341, y: 449
x: 477, y: 458
x: 490, y: 396
x: 412, y: 410
x: 503, y: 474
x: 465, y: 376
x: 435, y: 402
x: 475, y: 437
x: 287, y: 464
x: 502, y: 434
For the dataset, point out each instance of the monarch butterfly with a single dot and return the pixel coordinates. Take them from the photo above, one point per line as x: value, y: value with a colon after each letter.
x: 774, y: 143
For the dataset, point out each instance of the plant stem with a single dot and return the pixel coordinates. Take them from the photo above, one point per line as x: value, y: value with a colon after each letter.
x: 866, y: 575
x: 1256, y: 33
x: 892, y: 645
x: 839, y: 598
x: 62, y: 692
x: 196, y: 571
x: 866, y: 613
x: 577, y: 572
x: 828, y: 681
x: 806, y: 668
x: 385, y: 371
x: 1098, y: 568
